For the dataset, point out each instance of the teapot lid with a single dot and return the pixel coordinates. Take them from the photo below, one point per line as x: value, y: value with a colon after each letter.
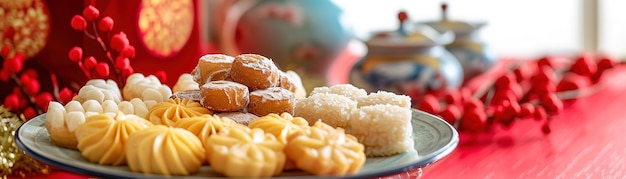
x: 457, y: 27
x: 410, y: 36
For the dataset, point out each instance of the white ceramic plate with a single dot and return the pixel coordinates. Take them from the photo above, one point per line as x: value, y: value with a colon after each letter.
x: 434, y: 139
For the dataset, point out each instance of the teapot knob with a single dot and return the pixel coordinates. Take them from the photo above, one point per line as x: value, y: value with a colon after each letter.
x: 403, y: 17
x: 444, y: 11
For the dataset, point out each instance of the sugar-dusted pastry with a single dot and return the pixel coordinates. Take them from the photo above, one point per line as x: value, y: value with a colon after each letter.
x: 102, y: 138
x: 383, y: 97
x: 99, y: 90
x: 245, y: 152
x: 346, y: 90
x: 185, y: 82
x: 164, y: 150
x: 292, y: 81
x: 224, y: 96
x: 212, y: 67
x: 193, y: 95
x: 384, y: 129
x: 172, y: 110
x: 280, y: 126
x: 325, y: 151
x: 255, y: 71
x: 204, y: 126
x: 271, y: 100
x: 145, y: 88
x: 243, y: 118
x: 332, y: 109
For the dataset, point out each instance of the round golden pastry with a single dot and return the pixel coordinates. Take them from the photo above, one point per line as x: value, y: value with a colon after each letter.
x: 255, y: 71
x: 167, y: 113
x: 164, y: 150
x: 102, y: 138
x: 212, y: 67
x: 245, y: 152
x: 271, y: 100
x: 224, y: 96
x: 287, y: 82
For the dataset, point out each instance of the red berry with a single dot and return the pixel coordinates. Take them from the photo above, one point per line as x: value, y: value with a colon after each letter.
x: 65, y: 95
x: 540, y: 113
x: 5, y: 50
x: 91, y: 13
x: 5, y: 75
x: 12, y: 102
x: 572, y: 81
x: 505, y: 81
x: 473, y: 104
x: 13, y: 65
x: 31, y: 73
x: 474, y: 121
x: 122, y: 63
x: 31, y: 87
x: 543, y: 88
x: 546, y: 75
x: 452, y: 97
x: 606, y: 62
x: 119, y: 41
x: 42, y: 100
x: 527, y: 110
x: 76, y: 54
x: 90, y: 63
x: 521, y: 73
x: 105, y: 24
x: 545, y: 128
x: 466, y: 94
x: 450, y: 114
x: 546, y: 61
x: 584, y: 65
x: 102, y: 69
x: 161, y: 75
x: 29, y: 113
x: 78, y: 23
x: 429, y: 104
x: 552, y: 103
x: 127, y: 71
x: 129, y: 51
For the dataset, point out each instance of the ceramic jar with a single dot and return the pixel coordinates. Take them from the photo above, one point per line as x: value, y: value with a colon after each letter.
x: 408, y: 62
x: 472, y: 52
x: 301, y: 35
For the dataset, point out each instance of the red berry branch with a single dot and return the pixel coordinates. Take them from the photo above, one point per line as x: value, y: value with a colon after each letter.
x: 520, y: 93
x: 27, y: 98
x: 118, y: 50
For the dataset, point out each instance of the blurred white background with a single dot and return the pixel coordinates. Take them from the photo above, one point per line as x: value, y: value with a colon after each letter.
x: 516, y: 28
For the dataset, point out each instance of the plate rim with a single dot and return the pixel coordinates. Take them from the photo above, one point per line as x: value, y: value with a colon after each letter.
x: 427, y: 159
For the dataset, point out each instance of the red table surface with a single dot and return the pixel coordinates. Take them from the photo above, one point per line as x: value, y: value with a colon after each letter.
x: 586, y: 141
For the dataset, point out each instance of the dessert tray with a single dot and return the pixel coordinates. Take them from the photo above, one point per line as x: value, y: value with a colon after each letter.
x: 433, y: 140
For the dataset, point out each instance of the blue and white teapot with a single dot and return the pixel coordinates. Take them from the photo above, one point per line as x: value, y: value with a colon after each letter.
x: 411, y: 60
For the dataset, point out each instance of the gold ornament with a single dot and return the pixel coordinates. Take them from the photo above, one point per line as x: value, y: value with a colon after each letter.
x: 13, y: 161
x: 29, y: 23
x: 165, y: 25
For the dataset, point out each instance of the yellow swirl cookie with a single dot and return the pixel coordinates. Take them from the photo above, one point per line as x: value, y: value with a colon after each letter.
x: 279, y: 126
x: 164, y: 150
x: 325, y: 151
x: 244, y: 152
x: 206, y: 125
x: 167, y: 113
x: 102, y: 138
